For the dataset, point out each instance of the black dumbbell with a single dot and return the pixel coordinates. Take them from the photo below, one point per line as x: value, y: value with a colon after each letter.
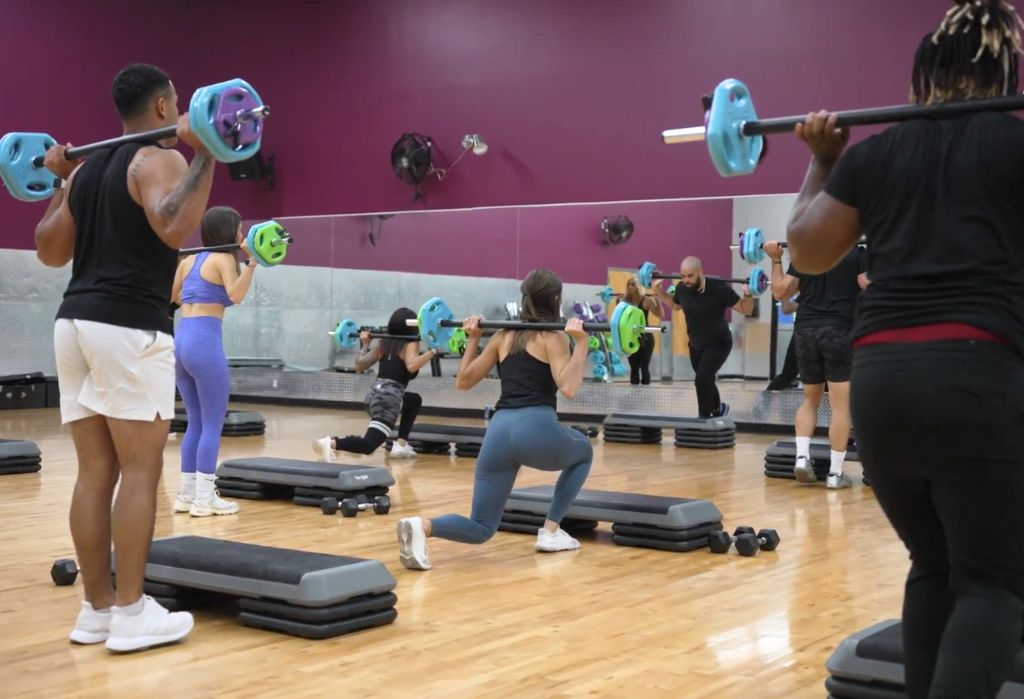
x: 64, y: 572
x: 719, y: 542
x: 748, y: 543
x: 589, y: 430
x: 350, y: 507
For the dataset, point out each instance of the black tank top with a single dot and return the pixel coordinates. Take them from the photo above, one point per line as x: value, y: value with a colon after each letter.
x: 122, y: 272
x: 525, y: 381
x: 392, y: 367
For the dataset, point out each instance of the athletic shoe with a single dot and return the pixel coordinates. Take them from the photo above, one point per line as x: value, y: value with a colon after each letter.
x: 91, y: 626
x: 153, y: 626
x: 183, y: 502
x: 838, y: 481
x: 213, y: 505
x: 559, y: 541
x: 400, y: 452
x: 412, y: 544
x: 723, y: 410
x: 804, y: 470
x: 324, y: 449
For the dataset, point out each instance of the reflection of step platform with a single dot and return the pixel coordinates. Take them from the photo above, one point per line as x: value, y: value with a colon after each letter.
x: 780, y: 457
x: 305, y: 482
x: 19, y: 456
x: 237, y: 423
x: 689, y: 432
x: 648, y: 521
x: 869, y: 665
x: 302, y: 593
x: 437, y: 439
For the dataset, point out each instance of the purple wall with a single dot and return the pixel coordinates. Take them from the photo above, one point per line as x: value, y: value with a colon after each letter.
x: 570, y: 95
x: 509, y: 242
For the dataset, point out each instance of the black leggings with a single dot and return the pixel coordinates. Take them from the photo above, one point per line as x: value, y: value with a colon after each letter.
x: 373, y: 438
x: 938, y: 428
x: 640, y: 362
x: 706, y: 362
x: 788, y: 375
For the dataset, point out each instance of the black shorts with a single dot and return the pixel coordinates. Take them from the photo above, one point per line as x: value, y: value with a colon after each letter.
x: 823, y: 354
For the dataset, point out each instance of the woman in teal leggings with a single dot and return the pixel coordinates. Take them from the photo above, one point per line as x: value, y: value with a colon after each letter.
x: 524, y: 431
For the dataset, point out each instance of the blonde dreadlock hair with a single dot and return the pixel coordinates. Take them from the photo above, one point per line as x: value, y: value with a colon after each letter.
x: 972, y: 54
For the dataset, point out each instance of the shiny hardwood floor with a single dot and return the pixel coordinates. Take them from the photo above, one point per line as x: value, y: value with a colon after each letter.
x: 492, y: 621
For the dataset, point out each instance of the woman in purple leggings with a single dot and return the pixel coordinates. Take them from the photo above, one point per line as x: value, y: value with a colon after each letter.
x: 204, y: 286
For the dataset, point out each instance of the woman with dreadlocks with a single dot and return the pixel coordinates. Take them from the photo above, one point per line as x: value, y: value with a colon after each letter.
x: 937, y: 375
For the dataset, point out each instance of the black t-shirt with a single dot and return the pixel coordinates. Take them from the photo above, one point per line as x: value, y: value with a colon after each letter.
x: 830, y: 299
x: 121, y: 272
x: 705, y: 312
x: 941, y: 207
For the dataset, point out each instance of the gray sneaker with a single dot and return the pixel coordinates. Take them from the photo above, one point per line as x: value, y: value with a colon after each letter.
x: 838, y: 481
x: 804, y: 470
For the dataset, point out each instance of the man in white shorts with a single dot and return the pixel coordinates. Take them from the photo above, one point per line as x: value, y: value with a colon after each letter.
x: 121, y: 216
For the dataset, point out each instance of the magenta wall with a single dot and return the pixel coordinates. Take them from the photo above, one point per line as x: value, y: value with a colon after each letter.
x: 570, y: 94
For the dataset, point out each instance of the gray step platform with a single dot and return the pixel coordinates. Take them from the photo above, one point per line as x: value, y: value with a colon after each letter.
x: 310, y: 474
x: 19, y: 456
x: 260, y: 362
x: 713, y: 424
x: 620, y: 508
x: 445, y: 434
x: 313, y: 595
x: 869, y: 665
x: 237, y: 423
x: 820, y: 449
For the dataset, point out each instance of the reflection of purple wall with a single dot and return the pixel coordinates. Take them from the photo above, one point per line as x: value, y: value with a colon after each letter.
x: 510, y: 242
x: 571, y: 95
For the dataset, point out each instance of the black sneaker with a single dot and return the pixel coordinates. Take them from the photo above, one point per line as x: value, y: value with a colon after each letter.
x: 723, y: 410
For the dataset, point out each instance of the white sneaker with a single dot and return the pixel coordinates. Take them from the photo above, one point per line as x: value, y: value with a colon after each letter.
x: 400, y: 452
x: 412, y: 544
x: 803, y: 469
x: 838, y: 481
x: 324, y: 449
x: 153, y: 626
x: 214, y: 505
x: 91, y: 626
x: 559, y: 541
x: 183, y: 502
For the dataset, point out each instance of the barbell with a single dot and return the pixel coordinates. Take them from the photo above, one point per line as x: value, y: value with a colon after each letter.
x: 751, y: 245
x: 268, y: 242
x: 757, y: 281
x: 437, y: 324
x: 346, y: 334
x: 735, y: 136
x: 227, y: 117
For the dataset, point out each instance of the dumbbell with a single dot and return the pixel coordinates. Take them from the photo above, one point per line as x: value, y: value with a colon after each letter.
x: 350, y: 507
x: 588, y: 430
x: 719, y: 542
x: 748, y: 543
x: 64, y: 572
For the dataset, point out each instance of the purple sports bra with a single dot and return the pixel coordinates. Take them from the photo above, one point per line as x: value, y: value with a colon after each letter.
x: 195, y: 289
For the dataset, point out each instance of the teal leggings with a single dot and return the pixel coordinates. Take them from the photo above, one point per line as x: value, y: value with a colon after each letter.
x: 519, y: 437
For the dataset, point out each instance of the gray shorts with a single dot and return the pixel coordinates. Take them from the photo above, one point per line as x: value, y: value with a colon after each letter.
x: 384, y: 404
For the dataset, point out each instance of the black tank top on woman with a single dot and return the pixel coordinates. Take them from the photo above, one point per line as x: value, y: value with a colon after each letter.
x: 122, y: 272
x: 525, y: 381
x: 392, y: 367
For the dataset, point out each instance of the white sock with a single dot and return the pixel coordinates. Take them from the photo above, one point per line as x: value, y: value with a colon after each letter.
x: 133, y: 609
x: 837, y: 458
x: 188, y: 484
x: 803, y: 447
x: 204, y: 486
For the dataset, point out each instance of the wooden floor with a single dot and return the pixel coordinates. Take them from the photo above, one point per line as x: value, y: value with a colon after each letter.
x: 496, y: 620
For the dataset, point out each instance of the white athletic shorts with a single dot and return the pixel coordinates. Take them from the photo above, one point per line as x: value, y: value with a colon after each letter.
x: 104, y: 369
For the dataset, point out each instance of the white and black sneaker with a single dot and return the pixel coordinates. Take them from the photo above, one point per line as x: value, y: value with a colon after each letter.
x: 412, y: 544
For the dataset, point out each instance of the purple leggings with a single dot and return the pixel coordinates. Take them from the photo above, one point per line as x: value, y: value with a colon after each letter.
x: 201, y: 373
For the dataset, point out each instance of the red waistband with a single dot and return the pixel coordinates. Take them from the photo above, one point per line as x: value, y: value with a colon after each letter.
x: 929, y: 333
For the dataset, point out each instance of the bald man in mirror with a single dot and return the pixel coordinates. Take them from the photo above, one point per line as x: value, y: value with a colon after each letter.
x: 704, y: 303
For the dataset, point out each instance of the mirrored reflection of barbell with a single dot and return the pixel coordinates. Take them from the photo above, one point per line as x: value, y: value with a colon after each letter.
x: 268, y: 242
x: 346, y: 334
x: 735, y: 136
x: 437, y: 324
x: 227, y: 117
x: 757, y: 281
x: 751, y: 246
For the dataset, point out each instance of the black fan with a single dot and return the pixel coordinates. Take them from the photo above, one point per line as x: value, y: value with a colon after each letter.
x: 410, y: 158
x: 617, y: 231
